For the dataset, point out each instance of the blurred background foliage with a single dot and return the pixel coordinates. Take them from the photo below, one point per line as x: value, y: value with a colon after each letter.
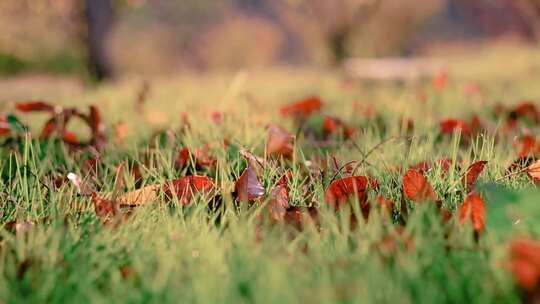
x: 102, y: 37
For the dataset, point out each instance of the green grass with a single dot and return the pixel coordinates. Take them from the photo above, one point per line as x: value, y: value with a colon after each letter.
x: 183, y: 254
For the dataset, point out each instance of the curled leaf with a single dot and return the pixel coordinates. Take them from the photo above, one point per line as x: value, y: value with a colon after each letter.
x: 248, y: 187
x: 473, y: 171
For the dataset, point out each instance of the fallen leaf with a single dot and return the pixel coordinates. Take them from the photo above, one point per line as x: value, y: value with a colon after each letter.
x: 525, y: 263
x: 533, y: 170
x: 341, y: 191
x: 332, y: 125
x: 186, y: 187
x: 473, y: 171
x: 140, y: 196
x: 417, y: 188
x: 473, y: 209
x: 448, y: 126
x: 279, y: 141
x: 104, y: 208
x: 278, y: 202
x: 36, y: 106
x: 248, y: 187
x: 302, y: 108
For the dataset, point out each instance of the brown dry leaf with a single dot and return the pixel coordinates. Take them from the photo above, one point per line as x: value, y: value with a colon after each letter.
x: 141, y: 196
x: 278, y: 203
x: 279, y: 141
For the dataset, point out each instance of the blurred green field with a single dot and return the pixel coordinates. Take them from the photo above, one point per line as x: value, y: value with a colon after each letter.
x: 167, y: 252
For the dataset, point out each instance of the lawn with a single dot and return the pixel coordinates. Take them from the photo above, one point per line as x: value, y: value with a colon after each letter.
x: 273, y: 214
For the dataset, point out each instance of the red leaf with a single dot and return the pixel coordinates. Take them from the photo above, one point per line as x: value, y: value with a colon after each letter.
x: 473, y: 171
x: 448, y: 126
x: 417, y: 188
x: 248, y: 187
x: 473, y: 209
x: 186, y: 187
x: 182, y: 157
x: 354, y: 187
x: 302, y: 108
x: 525, y: 263
x: 278, y: 203
x: 35, y: 106
x: 279, y: 141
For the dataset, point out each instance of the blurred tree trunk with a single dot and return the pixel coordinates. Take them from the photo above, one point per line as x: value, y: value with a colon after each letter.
x: 99, y: 17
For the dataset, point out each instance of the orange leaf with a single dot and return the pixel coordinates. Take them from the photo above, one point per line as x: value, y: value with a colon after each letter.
x: 417, y: 188
x: 473, y: 209
x: 302, y: 108
x: 533, y: 170
x: 279, y: 141
x: 248, y: 187
x: 354, y: 187
x: 473, y: 171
